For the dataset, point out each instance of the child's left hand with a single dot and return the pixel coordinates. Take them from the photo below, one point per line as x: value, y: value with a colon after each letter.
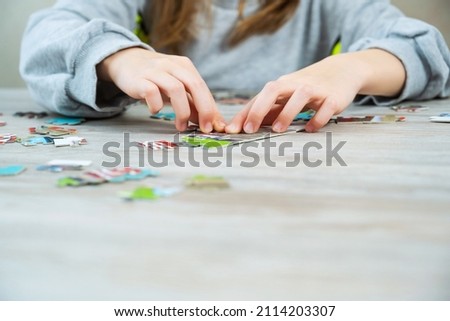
x: 328, y: 87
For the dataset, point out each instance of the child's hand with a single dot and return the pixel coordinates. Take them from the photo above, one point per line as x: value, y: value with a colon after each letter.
x: 151, y: 76
x: 328, y: 87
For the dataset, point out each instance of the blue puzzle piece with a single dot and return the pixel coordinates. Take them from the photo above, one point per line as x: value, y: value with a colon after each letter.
x: 306, y: 116
x: 12, y: 170
x: 34, y: 140
x: 164, y: 116
x: 135, y: 176
x: 66, y: 121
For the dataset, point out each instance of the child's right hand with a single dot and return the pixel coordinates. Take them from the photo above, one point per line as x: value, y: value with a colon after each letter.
x: 152, y: 76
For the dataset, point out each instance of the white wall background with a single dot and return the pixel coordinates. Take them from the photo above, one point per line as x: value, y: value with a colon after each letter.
x: 14, y: 15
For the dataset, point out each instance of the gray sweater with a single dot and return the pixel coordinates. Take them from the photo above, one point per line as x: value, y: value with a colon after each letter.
x: 63, y: 44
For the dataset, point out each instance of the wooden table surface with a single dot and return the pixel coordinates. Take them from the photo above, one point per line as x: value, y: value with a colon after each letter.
x: 376, y: 229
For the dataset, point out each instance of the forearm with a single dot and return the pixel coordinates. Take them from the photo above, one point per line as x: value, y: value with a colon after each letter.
x: 383, y: 74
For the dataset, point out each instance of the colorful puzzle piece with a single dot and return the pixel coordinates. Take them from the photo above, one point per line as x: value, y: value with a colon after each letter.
x: 52, y: 130
x: 160, y: 145
x: 197, y: 139
x: 442, y: 118
x: 7, y: 139
x: 305, y: 116
x: 164, y: 116
x: 369, y: 119
x: 148, y: 193
x: 66, y: 121
x: 35, y: 140
x: 64, y: 165
x: 12, y: 170
x: 207, y: 182
x: 204, y: 140
x: 410, y: 109
x: 70, y: 141
x: 118, y: 175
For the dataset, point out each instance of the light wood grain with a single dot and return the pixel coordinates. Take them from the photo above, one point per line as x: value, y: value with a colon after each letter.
x: 378, y: 229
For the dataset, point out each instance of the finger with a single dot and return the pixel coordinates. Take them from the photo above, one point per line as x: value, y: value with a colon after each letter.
x: 152, y: 97
x: 237, y: 123
x: 201, y: 96
x: 322, y: 116
x: 176, y: 92
x: 219, y: 124
x: 295, y: 104
x: 264, y: 102
x: 194, y: 114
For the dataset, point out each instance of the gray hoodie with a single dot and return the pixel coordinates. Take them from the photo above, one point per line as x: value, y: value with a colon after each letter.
x: 63, y: 44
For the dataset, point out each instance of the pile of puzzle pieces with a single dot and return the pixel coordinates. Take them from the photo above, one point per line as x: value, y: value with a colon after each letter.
x: 102, y: 176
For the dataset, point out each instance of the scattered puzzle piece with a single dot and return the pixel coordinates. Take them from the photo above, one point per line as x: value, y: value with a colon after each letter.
x: 148, y: 193
x: 66, y: 121
x: 442, y: 118
x: 410, y: 109
x: 160, y: 145
x: 305, y: 116
x: 369, y: 119
x: 164, y: 116
x: 12, y: 170
x: 52, y: 130
x: 204, y: 140
x: 70, y: 141
x: 7, y: 139
x: 207, y: 182
x: 141, y: 193
x: 57, y: 166
x: 31, y: 114
x: 117, y: 175
x: 35, y: 140
x: 2, y: 123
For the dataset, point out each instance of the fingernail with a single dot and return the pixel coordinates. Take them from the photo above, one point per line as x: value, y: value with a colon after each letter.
x: 221, y: 125
x: 248, y: 128
x: 277, y: 127
x: 208, y: 128
x: 309, y: 128
x: 232, y: 129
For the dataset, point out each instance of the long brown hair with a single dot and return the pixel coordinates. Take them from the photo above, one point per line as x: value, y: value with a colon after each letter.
x: 171, y: 23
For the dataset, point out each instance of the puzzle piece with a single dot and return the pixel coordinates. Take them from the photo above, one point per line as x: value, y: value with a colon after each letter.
x: 2, y: 123
x: 410, y: 109
x: 12, y: 170
x: 442, y: 118
x: 369, y: 119
x: 204, y: 140
x: 66, y: 121
x: 52, y: 130
x: 57, y: 166
x: 198, y: 139
x: 70, y: 141
x: 305, y: 116
x: 7, y: 139
x: 79, y: 181
x: 148, y: 193
x: 31, y: 114
x: 35, y: 140
x: 117, y: 175
x: 207, y: 182
x: 164, y: 116
x: 160, y: 145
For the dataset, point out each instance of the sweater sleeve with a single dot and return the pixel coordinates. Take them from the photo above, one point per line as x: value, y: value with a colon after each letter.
x: 62, y: 46
x: 420, y: 47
